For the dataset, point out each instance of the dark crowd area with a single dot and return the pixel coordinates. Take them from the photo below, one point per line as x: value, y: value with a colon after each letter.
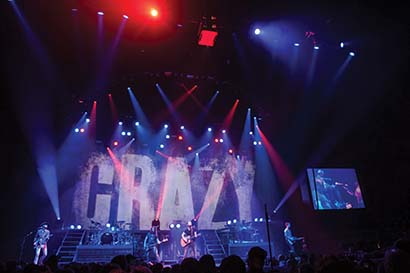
x: 392, y: 259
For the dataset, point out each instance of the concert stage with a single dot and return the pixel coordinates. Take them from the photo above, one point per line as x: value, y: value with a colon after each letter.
x: 100, y: 253
x: 241, y: 248
x: 76, y: 246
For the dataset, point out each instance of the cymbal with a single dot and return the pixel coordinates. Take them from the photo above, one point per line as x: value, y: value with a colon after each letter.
x: 94, y: 222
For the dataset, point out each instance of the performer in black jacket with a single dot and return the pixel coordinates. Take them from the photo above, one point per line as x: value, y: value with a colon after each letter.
x: 289, y: 238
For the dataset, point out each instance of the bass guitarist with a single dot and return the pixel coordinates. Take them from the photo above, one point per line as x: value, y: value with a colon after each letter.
x: 152, y: 245
x: 188, y: 240
x: 291, y: 240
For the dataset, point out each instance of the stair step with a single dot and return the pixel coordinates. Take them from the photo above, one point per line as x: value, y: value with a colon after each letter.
x: 66, y: 259
x: 61, y: 253
x: 215, y: 249
x: 71, y: 242
x: 216, y: 253
x: 69, y: 246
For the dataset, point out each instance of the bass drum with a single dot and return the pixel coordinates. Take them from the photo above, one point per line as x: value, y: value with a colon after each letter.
x: 108, y: 238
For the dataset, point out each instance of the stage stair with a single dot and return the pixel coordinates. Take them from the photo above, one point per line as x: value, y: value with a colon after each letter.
x: 213, y: 245
x: 68, y: 247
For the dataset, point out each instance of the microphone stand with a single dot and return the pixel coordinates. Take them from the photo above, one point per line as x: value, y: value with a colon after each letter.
x: 22, y: 246
x: 267, y: 231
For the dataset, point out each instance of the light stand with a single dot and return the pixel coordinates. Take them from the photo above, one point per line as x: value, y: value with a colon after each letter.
x: 22, y: 246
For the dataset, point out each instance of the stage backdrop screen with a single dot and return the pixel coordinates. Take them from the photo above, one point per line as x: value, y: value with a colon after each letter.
x: 334, y: 188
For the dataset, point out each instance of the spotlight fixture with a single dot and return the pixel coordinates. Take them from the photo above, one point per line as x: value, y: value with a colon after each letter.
x: 209, y: 129
x: 207, y: 31
x: 154, y: 12
x: 87, y: 120
x: 351, y: 53
x: 137, y: 123
x: 296, y: 44
x: 178, y: 225
x: 120, y: 123
x: 257, y: 31
x: 123, y: 133
x: 76, y: 130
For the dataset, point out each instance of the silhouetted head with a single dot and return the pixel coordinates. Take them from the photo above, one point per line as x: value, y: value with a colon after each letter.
x: 256, y: 257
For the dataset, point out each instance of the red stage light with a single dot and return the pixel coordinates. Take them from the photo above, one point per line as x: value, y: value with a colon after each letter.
x: 216, y: 140
x: 154, y: 12
x: 82, y: 130
x: 115, y: 143
x: 207, y: 38
x: 189, y: 148
x: 230, y: 151
x: 180, y: 137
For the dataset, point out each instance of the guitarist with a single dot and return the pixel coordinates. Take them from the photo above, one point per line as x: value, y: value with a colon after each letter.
x: 188, y: 240
x: 152, y: 244
x: 291, y: 240
x: 40, y: 242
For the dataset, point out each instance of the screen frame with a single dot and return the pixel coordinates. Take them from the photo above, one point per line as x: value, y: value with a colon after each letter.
x: 312, y: 184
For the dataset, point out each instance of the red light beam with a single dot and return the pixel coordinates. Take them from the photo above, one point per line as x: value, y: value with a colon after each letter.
x: 284, y: 174
x: 228, y: 119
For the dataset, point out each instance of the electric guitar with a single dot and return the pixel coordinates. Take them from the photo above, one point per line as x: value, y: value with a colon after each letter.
x: 40, y: 241
x: 150, y: 246
x: 187, y: 240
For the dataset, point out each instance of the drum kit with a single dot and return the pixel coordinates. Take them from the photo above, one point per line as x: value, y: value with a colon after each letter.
x: 118, y: 234
x: 244, y: 232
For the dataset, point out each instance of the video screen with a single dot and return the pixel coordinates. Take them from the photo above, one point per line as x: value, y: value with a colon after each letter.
x: 334, y: 188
